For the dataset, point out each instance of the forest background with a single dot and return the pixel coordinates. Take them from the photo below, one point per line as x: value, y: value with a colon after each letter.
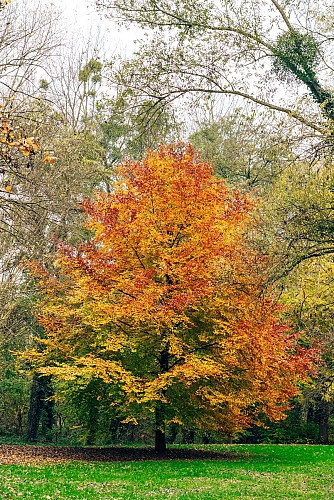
x: 249, y: 84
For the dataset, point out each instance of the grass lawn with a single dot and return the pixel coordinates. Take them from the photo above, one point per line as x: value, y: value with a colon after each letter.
x: 257, y: 471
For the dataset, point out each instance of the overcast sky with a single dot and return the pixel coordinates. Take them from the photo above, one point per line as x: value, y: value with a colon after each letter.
x: 81, y: 16
x: 81, y: 12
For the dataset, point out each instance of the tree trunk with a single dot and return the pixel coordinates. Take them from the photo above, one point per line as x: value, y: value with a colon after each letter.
x: 48, y: 404
x: 160, y: 434
x: 40, y: 392
x: 323, y: 424
x: 322, y: 414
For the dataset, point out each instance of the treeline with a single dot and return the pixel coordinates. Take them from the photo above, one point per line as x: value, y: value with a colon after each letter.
x: 255, y: 102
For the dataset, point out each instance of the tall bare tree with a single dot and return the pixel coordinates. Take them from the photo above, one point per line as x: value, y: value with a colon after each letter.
x: 276, y: 55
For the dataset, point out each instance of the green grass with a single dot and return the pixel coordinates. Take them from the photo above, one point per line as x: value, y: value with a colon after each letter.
x: 258, y: 471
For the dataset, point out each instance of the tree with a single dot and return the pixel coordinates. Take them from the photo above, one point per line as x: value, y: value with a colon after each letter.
x: 296, y: 230
x: 244, y: 149
x: 29, y: 37
x: 73, y: 81
x: 41, y: 180
x: 40, y: 188
x: 230, y: 48
x: 308, y: 292
x: 163, y: 303
x: 297, y: 217
x: 128, y: 133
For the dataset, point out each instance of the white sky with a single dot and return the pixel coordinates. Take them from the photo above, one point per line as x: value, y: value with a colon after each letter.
x: 80, y: 13
x: 82, y: 17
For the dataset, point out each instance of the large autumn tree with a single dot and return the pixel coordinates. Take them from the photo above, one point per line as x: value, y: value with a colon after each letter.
x: 163, y: 303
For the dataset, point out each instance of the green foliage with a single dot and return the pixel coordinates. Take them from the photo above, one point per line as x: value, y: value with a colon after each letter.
x: 297, y: 228
x: 43, y: 84
x: 91, y: 70
x: 308, y: 293
x: 14, y: 404
x: 127, y: 131
x: 244, y: 149
x: 296, y: 55
x: 297, y: 216
x: 86, y: 411
x: 294, y: 429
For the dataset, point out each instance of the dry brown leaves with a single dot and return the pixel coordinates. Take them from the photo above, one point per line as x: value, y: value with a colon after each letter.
x: 13, y: 454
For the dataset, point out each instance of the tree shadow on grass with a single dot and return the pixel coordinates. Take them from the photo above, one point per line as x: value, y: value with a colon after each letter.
x: 13, y: 454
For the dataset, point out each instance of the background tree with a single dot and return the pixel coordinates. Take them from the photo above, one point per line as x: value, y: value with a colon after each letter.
x: 309, y: 295
x: 41, y: 180
x: 295, y: 231
x: 39, y: 203
x: 73, y: 82
x: 162, y: 304
x: 29, y: 37
x: 127, y: 132
x: 297, y: 215
x: 230, y: 48
x: 244, y: 149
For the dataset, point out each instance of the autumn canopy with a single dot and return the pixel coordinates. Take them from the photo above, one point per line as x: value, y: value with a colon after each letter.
x: 164, y: 303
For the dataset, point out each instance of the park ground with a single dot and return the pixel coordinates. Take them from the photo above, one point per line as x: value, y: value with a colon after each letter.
x: 213, y: 472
